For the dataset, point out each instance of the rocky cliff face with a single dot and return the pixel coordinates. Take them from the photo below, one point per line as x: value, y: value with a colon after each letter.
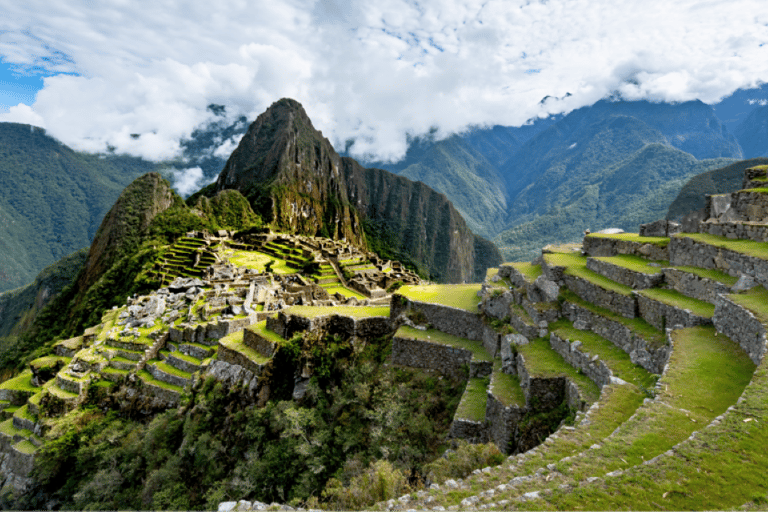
x: 295, y: 179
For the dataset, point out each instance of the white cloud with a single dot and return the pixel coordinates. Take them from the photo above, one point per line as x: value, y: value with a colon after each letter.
x: 187, y: 181
x: 24, y: 114
x: 372, y: 70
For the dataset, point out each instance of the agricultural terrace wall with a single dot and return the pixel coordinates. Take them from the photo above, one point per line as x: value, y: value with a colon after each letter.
x: 450, y: 320
x: 686, y: 251
x: 602, y: 246
x: 694, y: 286
x: 625, y: 276
x: 740, y: 325
x: 662, y: 315
x: 571, y: 351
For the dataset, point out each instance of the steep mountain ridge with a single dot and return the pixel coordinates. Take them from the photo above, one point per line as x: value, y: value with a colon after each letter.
x: 297, y: 181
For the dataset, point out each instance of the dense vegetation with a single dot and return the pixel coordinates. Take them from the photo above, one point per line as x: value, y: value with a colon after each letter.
x: 360, y: 415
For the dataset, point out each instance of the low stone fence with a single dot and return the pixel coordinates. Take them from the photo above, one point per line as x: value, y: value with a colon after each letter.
x: 740, y: 230
x: 625, y: 276
x: 639, y: 350
x: 447, y: 360
x: 286, y: 325
x: 687, y: 251
x: 447, y: 319
x: 662, y: 315
x: 571, y: 351
x: 502, y: 422
x: 740, y: 325
x: 623, y: 305
x: 595, y: 245
x: 473, y: 431
x: 694, y: 286
x: 234, y: 357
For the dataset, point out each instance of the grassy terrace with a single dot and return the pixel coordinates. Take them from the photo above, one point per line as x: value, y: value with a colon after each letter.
x: 351, y: 311
x: 615, y: 358
x: 542, y: 361
x: 22, y: 382
x: 261, y: 329
x: 635, y: 263
x: 258, y: 261
x: 564, y: 248
x: 185, y: 357
x: 25, y: 446
x: 149, y: 379
x: 755, y: 300
x: 7, y: 428
x: 506, y: 387
x: 714, y: 275
x: 501, y: 283
x: 677, y: 299
x: 170, y: 370
x: 434, y: 336
x: 721, y: 468
x: 634, y: 237
x: 60, y: 393
x: 473, y: 401
x: 461, y: 296
x: 576, y: 265
x: 335, y: 288
x: 530, y: 272
x: 649, y: 333
x: 748, y: 247
x: 234, y: 342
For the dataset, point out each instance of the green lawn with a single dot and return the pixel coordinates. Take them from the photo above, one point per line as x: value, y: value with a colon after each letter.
x: 258, y: 260
x: 462, y: 296
x: 474, y: 400
x: 530, y: 272
x: 506, y: 387
x: 755, y: 300
x: 260, y: 328
x: 635, y: 263
x: 22, y: 382
x: 344, y: 291
x: 677, y: 299
x: 748, y: 247
x: 434, y: 336
x: 613, y: 357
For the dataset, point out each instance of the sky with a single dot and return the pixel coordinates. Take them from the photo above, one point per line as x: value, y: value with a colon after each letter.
x: 96, y: 74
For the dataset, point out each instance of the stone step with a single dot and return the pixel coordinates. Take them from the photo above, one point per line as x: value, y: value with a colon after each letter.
x: 669, y: 308
x: 653, y: 248
x: 733, y: 257
x: 698, y: 283
x: 632, y: 271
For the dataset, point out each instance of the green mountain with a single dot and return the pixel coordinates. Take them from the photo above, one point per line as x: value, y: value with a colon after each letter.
x: 297, y: 182
x: 716, y: 181
x: 52, y: 199
x: 636, y: 190
x: 752, y: 133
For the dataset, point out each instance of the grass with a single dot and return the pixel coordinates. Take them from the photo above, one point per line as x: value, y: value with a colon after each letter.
x: 234, y: 342
x: 260, y: 328
x: 615, y: 358
x: 258, y: 260
x: 474, y: 400
x: 634, y: 237
x: 22, y: 382
x: 653, y: 336
x: 345, y: 292
x: 755, y: 300
x: 708, y: 375
x: 116, y: 371
x: 351, y: 311
x: 25, y: 446
x: 185, y: 357
x: 635, y: 263
x: 530, y: 272
x: 503, y: 283
x: 564, y: 248
x: 171, y: 370
x: 677, y: 299
x: 543, y: 362
x: 7, y: 428
x: 461, y: 296
x: 576, y: 266
x: 23, y: 412
x: 149, y: 379
x: 434, y: 336
x: 506, y: 387
x: 61, y: 393
x: 714, y: 275
x: 748, y: 247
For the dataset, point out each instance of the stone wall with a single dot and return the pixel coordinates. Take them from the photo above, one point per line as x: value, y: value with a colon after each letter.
x: 623, y: 305
x: 552, y: 272
x: 750, y: 206
x: 455, y: 321
x: 740, y: 325
x: 215, y: 330
x: 639, y: 350
x: 497, y: 305
x: 502, y: 423
x: 166, y: 377
x: 595, y: 369
x: 600, y: 246
x: 625, y: 276
x: 233, y: 375
x: 515, y: 276
x: 740, y: 230
x: 686, y: 251
x: 472, y: 431
x: 544, y: 393
x: 491, y: 341
x: 694, y: 286
x: 287, y: 325
x: 662, y: 315
x: 234, y: 357
x: 431, y: 356
x: 258, y: 343
x: 169, y: 396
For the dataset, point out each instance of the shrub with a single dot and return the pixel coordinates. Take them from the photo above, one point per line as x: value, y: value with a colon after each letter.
x: 463, y: 460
